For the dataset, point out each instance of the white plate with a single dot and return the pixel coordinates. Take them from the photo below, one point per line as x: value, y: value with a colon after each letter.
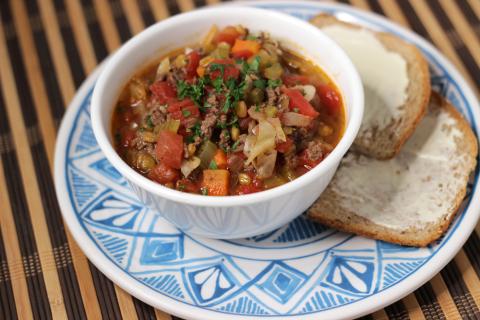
x: 299, y: 271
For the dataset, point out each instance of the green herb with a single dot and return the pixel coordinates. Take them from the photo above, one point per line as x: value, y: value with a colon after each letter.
x: 186, y: 112
x: 257, y: 108
x: 213, y: 165
x: 295, y: 110
x: 181, y: 187
x: 235, y: 145
x: 251, y: 37
x: 217, y: 66
x: 204, y: 191
x: 194, y: 91
x: 218, y: 84
x: 233, y: 120
x: 149, y: 121
x: 255, y: 64
x: 253, y: 67
x: 259, y: 83
x: 274, y: 83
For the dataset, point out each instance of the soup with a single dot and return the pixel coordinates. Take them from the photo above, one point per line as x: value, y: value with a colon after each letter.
x: 235, y: 114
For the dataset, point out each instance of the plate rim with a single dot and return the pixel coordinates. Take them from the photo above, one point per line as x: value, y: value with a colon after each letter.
x: 357, y: 308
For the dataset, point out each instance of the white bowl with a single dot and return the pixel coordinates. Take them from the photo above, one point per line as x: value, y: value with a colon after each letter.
x: 231, y: 216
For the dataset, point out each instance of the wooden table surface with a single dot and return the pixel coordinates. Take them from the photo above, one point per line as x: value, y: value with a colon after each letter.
x: 47, y: 48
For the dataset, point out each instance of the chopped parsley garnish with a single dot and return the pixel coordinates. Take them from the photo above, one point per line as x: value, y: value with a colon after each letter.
x: 193, y: 91
x: 295, y: 110
x: 274, y: 83
x: 218, y: 84
x: 186, y: 113
x: 235, y: 145
x: 251, y: 37
x: 213, y: 165
x: 255, y: 64
x: 204, y: 191
x: 259, y: 83
x: 149, y: 121
x: 257, y: 108
x: 217, y: 66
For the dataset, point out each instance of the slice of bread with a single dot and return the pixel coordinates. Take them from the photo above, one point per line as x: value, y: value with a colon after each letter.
x: 396, y: 94
x: 411, y: 199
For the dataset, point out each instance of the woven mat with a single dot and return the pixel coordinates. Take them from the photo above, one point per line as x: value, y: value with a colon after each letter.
x: 47, y: 48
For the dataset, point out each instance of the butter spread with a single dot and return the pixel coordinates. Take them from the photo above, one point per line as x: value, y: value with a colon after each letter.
x: 383, y: 73
x: 416, y: 187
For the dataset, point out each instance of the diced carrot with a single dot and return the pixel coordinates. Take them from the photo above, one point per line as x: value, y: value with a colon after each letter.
x: 201, y: 71
x: 245, y: 45
x: 216, y: 182
x: 220, y: 159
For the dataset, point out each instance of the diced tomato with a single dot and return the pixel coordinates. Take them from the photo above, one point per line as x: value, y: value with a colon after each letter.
x: 163, y: 91
x: 127, y: 137
x: 305, y: 161
x: 163, y: 174
x: 229, y: 69
x: 187, y: 186
x: 178, y: 105
x: 294, y: 79
x: 183, y: 110
x: 255, y: 186
x: 243, y: 54
x: 228, y: 35
x: 284, y: 147
x: 192, y: 65
x: 329, y: 97
x: 297, y: 101
x: 169, y: 149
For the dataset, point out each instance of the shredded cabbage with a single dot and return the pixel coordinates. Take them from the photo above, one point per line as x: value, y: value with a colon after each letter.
x: 265, y: 140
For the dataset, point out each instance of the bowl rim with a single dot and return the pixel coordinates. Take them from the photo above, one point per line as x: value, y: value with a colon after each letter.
x: 333, y: 159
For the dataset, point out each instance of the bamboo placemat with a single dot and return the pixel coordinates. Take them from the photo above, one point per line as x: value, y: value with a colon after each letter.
x: 47, y: 48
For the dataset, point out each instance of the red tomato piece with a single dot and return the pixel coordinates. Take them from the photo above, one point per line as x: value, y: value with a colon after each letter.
x: 183, y: 110
x: 169, y: 149
x: 163, y: 174
x: 294, y: 79
x: 228, y: 35
x: 178, y: 105
x: 297, y: 101
x: 192, y: 65
x: 247, y: 189
x: 243, y: 54
x: 163, y: 91
x: 329, y: 97
x: 187, y: 186
x: 229, y: 69
x: 284, y: 147
x: 305, y: 161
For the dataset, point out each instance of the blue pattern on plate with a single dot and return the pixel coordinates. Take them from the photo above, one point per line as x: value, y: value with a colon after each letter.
x: 329, y: 269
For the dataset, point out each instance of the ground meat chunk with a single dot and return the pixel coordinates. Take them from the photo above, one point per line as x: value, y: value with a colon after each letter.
x: 282, y: 103
x: 317, y: 150
x: 224, y: 139
x: 291, y: 159
x: 213, y: 103
x: 158, y: 117
x: 141, y: 145
x: 273, y: 95
x: 207, y: 125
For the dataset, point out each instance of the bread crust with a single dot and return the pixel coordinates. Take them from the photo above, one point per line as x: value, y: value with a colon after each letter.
x: 416, y: 104
x: 330, y: 214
